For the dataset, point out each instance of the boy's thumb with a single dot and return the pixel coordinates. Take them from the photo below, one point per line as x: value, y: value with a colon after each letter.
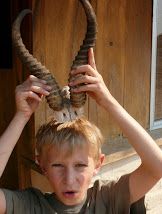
x: 91, y: 59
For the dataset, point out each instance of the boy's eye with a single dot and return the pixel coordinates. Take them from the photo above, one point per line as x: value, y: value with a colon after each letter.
x: 57, y: 165
x: 80, y: 165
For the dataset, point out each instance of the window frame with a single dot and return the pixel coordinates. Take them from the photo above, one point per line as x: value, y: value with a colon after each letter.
x: 153, y: 123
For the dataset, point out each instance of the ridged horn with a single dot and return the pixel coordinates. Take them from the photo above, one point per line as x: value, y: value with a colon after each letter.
x: 54, y: 99
x: 79, y: 100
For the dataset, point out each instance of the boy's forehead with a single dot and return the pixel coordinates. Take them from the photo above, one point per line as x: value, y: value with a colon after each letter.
x: 79, y: 154
x: 66, y: 150
x: 66, y: 147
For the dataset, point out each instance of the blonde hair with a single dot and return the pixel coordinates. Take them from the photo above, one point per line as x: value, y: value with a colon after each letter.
x: 78, y: 132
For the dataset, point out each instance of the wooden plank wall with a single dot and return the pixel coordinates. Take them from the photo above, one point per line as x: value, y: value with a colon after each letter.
x: 122, y: 52
x: 138, y: 59
x: 123, y: 57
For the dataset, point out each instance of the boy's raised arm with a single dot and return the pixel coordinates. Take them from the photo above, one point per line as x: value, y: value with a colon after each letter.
x: 150, y: 170
x: 27, y: 100
x: 28, y: 96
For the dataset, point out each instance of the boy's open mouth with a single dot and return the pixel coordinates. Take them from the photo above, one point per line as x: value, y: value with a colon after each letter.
x: 69, y: 193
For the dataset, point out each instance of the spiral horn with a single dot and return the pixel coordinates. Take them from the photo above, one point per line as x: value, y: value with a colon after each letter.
x: 79, y: 99
x: 54, y: 99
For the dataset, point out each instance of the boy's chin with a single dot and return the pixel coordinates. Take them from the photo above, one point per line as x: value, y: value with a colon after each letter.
x: 71, y: 200
x: 72, y: 203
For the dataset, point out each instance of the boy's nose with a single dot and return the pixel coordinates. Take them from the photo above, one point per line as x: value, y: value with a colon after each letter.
x: 69, y: 177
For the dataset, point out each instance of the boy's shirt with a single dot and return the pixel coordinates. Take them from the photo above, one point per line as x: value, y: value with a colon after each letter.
x: 103, y: 198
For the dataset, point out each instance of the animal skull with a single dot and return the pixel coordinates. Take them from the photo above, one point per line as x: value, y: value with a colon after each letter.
x: 69, y: 107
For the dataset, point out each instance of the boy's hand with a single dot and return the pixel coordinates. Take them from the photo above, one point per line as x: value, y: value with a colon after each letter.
x: 28, y: 95
x: 92, y: 80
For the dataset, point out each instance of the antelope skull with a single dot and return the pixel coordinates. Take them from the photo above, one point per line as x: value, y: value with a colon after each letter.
x: 65, y: 104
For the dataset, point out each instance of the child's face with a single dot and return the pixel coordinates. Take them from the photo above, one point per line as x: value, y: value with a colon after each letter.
x: 70, y: 175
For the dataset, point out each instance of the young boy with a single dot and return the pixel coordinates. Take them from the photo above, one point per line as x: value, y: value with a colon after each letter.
x: 70, y: 155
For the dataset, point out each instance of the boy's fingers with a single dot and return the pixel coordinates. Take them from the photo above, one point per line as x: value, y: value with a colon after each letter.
x: 83, y: 79
x: 90, y: 68
x: 91, y: 59
x: 34, y: 84
x: 40, y: 85
x: 36, y: 88
x: 84, y: 88
x: 33, y: 78
x: 84, y: 69
x: 29, y: 94
x: 39, y: 90
x: 33, y: 95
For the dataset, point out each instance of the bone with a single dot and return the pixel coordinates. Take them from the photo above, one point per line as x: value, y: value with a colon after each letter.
x: 78, y: 100
x: 65, y: 104
x: 54, y: 99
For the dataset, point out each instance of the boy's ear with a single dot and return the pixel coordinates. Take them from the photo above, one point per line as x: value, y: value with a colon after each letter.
x: 37, y: 159
x: 99, y: 164
x: 39, y: 162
